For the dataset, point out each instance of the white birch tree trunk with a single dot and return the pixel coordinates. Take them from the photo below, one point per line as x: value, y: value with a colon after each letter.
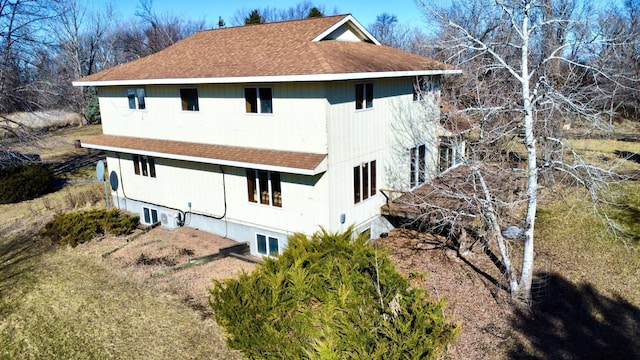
x: 524, y: 289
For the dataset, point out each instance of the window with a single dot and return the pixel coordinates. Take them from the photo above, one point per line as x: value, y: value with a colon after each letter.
x: 149, y: 216
x: 364, y: 96
x: 267, y: 245
x: 423, y: 86
x: 364, y: 181
x: 189, y: 98
x: 419, y: 169
x: 264, y: 187
x: 258, y: 100
x: 451, y: 154
x: 144, y: 165
x: 136, y: 99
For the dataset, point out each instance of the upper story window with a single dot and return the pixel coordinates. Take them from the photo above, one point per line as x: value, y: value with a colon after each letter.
x: 423, y: 86
x: 264, y: 187
x: 259, y: 100
x: 364, y: 181
x: 136, y: 98
x: 364, y: 96
x: 144, y: 165
x: 189, y: 98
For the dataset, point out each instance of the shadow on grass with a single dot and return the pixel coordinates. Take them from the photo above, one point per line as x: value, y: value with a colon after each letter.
x: 577, y: 322
x: 70, y: 162
x: 18, y: 258
x: 628, y: 155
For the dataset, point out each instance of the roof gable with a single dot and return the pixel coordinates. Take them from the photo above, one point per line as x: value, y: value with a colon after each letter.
x: 347, y: 29
x: 317, y: 49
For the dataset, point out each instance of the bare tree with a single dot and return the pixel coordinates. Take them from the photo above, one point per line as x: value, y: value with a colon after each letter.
x: 623, y: 25
x: 161, y: 31
x: 22, y: 46
x: 531, y: 64
x: 80, y: 35
x: 389, y: 31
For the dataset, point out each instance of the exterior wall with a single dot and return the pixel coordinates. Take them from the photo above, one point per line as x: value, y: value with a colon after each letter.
x: 383, y: 133
x: 298, y: 121
x: 413, y: 123
x: 179, y: 183
x: 310, y: 117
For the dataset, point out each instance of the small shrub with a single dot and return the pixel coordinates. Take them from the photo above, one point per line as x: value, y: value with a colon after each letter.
x: 25, y: 182
x: 329, y: 297
x: 79, y: 227
x: 118, y: 224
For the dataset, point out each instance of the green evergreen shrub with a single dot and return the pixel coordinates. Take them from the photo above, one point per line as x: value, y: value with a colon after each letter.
x: 25, y: 182
x: 79, y: 227
x: 118, y: 224
x: 329, y: 297
x: 91, y: 111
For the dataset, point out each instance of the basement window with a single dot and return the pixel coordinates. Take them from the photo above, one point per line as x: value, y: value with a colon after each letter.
x: 149, y: 216
x: 267, y: 245
x: 189, y: 98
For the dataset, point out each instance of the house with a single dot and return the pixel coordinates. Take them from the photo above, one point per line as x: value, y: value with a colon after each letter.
x: 260, y: 131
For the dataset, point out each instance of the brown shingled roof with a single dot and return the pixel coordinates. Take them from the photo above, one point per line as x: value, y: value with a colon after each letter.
x: 273, y: 49
x: 215, y: 153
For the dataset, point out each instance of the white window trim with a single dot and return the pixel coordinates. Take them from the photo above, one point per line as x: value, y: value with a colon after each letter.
x: 269, y: 189
x: 368, y: 168
x: 364, y: 96
x: 197, y: 99
x: 414, y: 154
x: 267, y: 238
x: 151, y: 210
x: 455, y: 154
x: 259, y: 103
x: 137, y: 99
x: 433, y: 84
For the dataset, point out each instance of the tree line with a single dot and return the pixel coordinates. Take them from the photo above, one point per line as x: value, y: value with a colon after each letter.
x: 46, y: 44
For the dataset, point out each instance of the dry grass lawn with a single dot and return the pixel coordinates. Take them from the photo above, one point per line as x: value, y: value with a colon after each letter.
x: 66, y: 303
x: 69, y: 303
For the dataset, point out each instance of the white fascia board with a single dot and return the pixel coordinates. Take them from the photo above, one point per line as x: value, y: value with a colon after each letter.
x: 270, y: 79
x: 322, y: 167
x: 348, y: 18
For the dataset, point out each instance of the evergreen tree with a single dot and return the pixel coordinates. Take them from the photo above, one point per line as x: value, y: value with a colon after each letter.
x: 254, y: 18
x: 315, y: 12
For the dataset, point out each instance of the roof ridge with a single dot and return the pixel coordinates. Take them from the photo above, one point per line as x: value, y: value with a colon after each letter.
x: 277, y: 22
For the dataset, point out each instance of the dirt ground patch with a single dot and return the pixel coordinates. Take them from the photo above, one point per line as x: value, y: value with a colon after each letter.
x: 473, y: 299
x: 141, y: 255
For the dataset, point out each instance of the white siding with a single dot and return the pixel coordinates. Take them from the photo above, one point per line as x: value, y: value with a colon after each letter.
x: 178, y: 183
x: 298, y: 121
x: 359, y: 136
x: 309, y: 117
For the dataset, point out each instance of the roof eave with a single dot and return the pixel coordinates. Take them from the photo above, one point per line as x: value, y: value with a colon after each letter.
x: 320, y: 168
x: 269, y: 78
